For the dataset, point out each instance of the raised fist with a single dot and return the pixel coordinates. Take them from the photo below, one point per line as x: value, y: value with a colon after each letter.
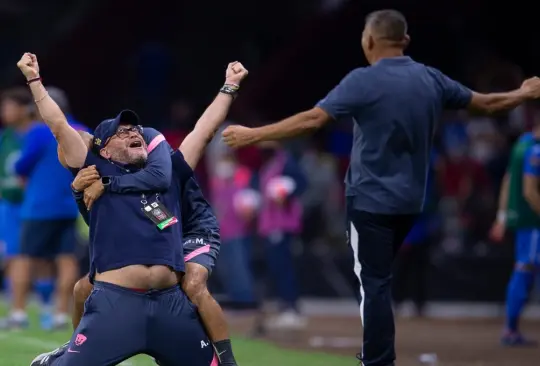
x: 235, y: 73
x: 29, y: 66
x: 236, y: 136
x: 531, y: 87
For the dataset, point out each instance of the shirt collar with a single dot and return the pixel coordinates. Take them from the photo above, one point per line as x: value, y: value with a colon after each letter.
x: 394, y: 61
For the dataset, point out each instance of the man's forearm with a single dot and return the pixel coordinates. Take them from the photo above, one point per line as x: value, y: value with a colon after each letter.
x: 68, y: 138
x: 299, y: 124
x: 194, y: 144
x: 494, y: 102
x: 503, y: 194
x: 155, y: 176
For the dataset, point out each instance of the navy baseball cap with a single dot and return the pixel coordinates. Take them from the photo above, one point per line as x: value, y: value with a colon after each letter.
x: 106, y: 129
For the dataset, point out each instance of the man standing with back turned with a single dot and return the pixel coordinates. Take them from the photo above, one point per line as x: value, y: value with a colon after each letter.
x: 395, y: 104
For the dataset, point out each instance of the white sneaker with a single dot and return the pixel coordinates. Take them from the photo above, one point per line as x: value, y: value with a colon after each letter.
x: 45, y: 359
x: 288, y: 319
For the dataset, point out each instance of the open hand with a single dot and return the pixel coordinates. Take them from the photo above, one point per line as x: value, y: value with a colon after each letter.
x: 237, y: 136
x: 236, y: 72
x: 85, y: 178
x: 497, y: 231
x: 29, y: 66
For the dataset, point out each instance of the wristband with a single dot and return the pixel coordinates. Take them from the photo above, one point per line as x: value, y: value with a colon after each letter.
x: 230, y: 89
x: 501, y: 216
x: 28, y: 82
x: 74, y: 190
x: 76, y: 194
x: 106, y: 181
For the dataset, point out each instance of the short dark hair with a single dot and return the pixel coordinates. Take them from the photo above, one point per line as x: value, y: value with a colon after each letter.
x: 388, y: 24
x: 20, y: 95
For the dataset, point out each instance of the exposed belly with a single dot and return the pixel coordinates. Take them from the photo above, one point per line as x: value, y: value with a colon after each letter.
x: 140, y: 277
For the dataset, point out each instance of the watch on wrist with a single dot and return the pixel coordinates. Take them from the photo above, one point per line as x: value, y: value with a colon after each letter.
x: 106, y: 181
x: 74, y: 190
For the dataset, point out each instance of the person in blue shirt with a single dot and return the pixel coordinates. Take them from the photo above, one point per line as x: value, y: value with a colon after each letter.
x: 17, y: 114
x: 395, y: 104
x: 527, y: 250
x: 48, y: 216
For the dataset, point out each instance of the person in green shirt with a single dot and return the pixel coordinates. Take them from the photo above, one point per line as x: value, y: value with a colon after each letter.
x: 519, y: 211
x: 16, y: 113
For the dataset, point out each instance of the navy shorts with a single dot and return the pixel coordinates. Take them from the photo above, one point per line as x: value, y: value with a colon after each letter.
x: 48, y: 238
x: 201, y: 251
x: 119, y: 323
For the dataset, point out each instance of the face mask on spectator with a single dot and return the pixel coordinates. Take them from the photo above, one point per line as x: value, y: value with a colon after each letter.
x: 225, y: 169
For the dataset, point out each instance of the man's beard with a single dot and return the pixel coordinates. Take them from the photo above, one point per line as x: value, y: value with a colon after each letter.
x: 124, y: 157
x: 138, y: 161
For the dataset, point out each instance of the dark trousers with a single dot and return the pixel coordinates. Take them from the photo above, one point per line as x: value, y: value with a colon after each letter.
x: 410, y: 275
x: 374, y: 240
x: 119, y: 323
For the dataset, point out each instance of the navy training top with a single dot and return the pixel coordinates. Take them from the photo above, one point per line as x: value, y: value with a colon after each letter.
x: 395, y: 105
x: 121, y: 234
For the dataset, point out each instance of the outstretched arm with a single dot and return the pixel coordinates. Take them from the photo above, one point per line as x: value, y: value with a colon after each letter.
x: 457, y: 96
x: 347, y: 97
x: 68, y: 138
x: 194, y: 144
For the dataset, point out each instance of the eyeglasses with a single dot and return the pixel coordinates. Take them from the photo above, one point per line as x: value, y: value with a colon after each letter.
x: 123, y: 132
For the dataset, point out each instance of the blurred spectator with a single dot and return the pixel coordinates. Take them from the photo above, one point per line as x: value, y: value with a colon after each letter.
x: 281, y: 183
x: 235, y: 205
x: 153, y: 73
x: 461, y: 174
x: 49, y: 216
x: 16, y: 113
x: 323, y: 196
x: 412, y: 264
x: 181, y: 121
x: 483, y: 139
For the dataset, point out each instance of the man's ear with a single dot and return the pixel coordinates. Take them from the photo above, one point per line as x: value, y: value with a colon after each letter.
x: 105, y: 153
x: 371, y: 42
x: 406, y: 41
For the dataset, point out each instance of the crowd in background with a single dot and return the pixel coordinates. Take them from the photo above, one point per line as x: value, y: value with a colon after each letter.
x: 38, y: 215
x: 273, y: 198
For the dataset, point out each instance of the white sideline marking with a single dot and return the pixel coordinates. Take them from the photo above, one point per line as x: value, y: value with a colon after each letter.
x: 43, y: 345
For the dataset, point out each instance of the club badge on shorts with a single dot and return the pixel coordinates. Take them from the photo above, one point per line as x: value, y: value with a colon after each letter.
x: 159, y: 215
